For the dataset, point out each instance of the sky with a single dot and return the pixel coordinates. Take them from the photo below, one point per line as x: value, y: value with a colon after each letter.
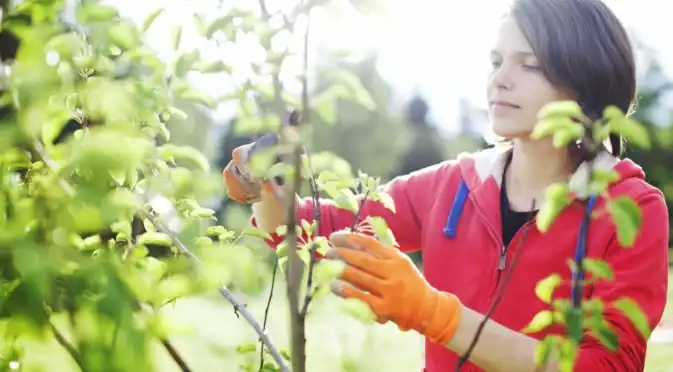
x: 436, y: 47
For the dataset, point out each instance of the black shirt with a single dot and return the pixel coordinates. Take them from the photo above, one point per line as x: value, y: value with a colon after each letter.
x: 511, y: 220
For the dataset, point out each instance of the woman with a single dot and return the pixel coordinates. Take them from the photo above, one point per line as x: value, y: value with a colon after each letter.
x: 477, y: 216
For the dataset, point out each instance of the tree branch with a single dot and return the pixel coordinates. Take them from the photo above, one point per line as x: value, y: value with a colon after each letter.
x: 315, y: 194
x: 295, y: 270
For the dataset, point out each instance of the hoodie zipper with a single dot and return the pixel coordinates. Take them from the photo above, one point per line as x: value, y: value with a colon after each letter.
x: 502, y: 262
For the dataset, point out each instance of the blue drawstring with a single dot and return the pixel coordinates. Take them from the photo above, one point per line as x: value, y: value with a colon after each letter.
x: 456, y: 210
x: 581, y: 248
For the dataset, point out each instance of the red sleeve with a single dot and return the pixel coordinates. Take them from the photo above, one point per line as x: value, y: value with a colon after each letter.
x: 411, y: 198
x: 640, y: 273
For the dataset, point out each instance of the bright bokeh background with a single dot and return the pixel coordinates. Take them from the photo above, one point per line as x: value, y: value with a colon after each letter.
x: 436, y: 47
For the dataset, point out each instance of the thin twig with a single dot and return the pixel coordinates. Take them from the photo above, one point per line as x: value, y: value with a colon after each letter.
x: 466, y: 356
x: 359, y: 211
x: 266, y: 311
x: 74, y: 354
x: 175, y: 355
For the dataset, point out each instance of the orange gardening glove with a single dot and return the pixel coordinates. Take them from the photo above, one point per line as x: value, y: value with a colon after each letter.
x: 388, y: 281
x: 242, y: 186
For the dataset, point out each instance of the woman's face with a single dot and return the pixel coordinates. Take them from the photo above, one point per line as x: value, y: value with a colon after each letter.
x: 517, y: 89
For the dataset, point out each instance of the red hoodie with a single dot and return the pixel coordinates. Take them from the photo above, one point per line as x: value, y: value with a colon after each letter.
x: 451, y: 211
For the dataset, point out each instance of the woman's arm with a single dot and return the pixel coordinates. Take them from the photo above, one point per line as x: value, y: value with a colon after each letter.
x: 499, y: 348
x: 409, y: 194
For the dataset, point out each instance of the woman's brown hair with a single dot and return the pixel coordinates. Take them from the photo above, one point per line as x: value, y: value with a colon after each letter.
x: 583, y: 48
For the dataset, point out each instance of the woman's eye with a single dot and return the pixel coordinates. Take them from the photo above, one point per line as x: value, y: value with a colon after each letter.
x: 531, y: 67
x: 495, y: 64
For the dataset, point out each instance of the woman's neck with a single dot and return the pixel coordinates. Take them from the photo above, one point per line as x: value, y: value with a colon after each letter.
x: 535, y: 165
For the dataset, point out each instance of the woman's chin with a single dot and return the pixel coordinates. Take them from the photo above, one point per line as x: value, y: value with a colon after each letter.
x: 511, y: 131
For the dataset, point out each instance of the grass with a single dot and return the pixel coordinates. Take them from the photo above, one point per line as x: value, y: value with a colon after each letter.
x: 660, y: 356
x: 214, y: 331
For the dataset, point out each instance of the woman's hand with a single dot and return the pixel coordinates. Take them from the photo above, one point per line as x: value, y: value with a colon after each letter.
x: 241, y: 186
x: 388, y: 281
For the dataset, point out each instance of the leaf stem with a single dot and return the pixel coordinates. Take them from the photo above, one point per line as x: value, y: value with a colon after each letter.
x: 74, y: 354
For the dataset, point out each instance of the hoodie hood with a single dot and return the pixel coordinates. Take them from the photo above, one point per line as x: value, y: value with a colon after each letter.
x: 480, y: 168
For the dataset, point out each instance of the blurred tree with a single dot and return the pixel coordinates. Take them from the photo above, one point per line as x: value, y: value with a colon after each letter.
x: 426, y: 145
x: 371, y: 138
x: 654, y: 110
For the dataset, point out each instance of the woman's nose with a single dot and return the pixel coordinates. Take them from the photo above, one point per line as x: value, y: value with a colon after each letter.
x: 502, y: 77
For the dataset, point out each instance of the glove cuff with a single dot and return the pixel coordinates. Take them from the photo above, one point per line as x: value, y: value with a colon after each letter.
x: 441, y: 317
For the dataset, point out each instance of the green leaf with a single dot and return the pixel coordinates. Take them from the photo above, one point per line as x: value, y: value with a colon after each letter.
x: 202, y: 213
x: 170, y: 151
x: 632, y: 130
x: 627, y: 218
x: 385, y: 199
x: 245, y: 349
x: 603, y: 175
x: 281, y: 230
x: 567, y: 355
x: 307, y: 227
x: 567, y: 109
x: 613, y: 112
x: 605, y: 335
x: 262, y: 161
x: 155, y: 238
x: 217, y: 24
x: 573, y: 321
x: 359, y: 310
x: 211, y: 66
x: 281, y: 249
x: 323, y: 245
x: 557, y: 197
x: 124, y: 35
x: 540, y: 321
x: 347, y: 200
x: 598, y: 268
x: 550, y: 126
x: 544, y: 349
x: 545, y: 287
x: 151, y: 17
x: 250, y: 230
x: 215, y: 230
x: 563, y: 137
x: 636, y: 315
x: 594, y: 309
x: 176, y: 36
x: 381, y: 230
x: 172, y: 287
